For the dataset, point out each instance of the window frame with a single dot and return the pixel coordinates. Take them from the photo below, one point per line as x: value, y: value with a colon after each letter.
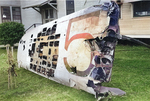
x: 2, y: 14
x: 50, y: 18
x: 70, y: 8
x: 11, y: 18
x: 134, y: 11
x: 19, y: 15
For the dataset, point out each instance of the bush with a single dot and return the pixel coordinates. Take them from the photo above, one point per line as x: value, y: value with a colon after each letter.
x: 11, y: 32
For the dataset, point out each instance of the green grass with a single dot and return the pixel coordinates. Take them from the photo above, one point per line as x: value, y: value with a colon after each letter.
x: 131, y: 73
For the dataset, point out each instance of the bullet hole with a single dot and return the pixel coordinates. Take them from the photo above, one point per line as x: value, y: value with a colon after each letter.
x: 44, y: 62
x: 34, y: 67
x: 33, y: 47
x: 49, y: 64
x: 39, y: 34
x: 48, y: 31
x: 106, y: 61
x: 20, y: 41
x: 31, y: 66
x: 56, y: 44
x: 37, y: 49
x: 23, y: 47
x: 38, y: 39
x: 34, y: 39
x: 43, y: 34
x: 42, y: 44
x: 45, y: 57
x: 31, y: 35
x: 50, y: 73
x: 37, y: 62
x: 57, y: 36
x: 55, y: 57
x: 30, y: 45
x: 49, y: 52
x: 54, y: 28
x: 31, y: 52
x: 44, y: 29
x: 40, y: 55
x: 43, y: 70
x: 41, y: 38
x: 39, y: 69
x: 31, y: 59
x: 54, y: 64
x: 51, y: 43
x: 48, y: 38
x: 52, y: 37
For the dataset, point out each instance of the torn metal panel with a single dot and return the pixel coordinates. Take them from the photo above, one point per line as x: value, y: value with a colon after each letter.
x: 76, y: 50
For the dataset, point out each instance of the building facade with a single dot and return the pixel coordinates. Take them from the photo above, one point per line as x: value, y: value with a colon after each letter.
x: 134, y: 14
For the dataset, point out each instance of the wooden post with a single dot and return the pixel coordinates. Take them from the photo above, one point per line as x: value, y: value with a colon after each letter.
x: 11, y: 69
x: 7, y: 49
x: 12, y: 51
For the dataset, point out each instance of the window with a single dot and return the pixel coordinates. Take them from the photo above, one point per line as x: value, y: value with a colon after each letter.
x: 16, y: 14
x: 11, y: 14
x: 49, y: 15
x: 69, y: 6
x: 141, y: 8
x: 6, y: 14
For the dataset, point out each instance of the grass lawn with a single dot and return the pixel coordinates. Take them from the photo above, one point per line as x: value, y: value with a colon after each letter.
x: 131, y: 73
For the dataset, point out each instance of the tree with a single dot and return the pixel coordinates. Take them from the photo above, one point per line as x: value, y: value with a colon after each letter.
x: 11, y: 32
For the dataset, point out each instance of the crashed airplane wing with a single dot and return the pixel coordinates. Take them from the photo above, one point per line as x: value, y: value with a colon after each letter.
x: 76, y: 50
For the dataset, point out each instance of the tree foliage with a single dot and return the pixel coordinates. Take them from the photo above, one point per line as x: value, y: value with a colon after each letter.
x: 11, y: 32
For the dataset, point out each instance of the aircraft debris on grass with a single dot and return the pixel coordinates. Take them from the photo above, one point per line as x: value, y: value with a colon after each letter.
x: 76, y: 50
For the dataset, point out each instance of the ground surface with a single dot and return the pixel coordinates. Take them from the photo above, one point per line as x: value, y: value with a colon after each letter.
x: 131, y: 73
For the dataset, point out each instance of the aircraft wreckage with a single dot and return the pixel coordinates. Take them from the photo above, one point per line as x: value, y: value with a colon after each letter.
x: 76, y: 50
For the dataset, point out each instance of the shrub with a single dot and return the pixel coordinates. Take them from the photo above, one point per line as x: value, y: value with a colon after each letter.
x: 11, y: 32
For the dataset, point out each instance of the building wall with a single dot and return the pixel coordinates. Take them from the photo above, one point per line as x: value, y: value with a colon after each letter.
x: 61, y: 6
x: 29, y: 15
x: 133, y: 26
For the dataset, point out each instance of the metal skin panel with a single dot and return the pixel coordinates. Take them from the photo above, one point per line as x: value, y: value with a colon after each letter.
x: 69, y: 50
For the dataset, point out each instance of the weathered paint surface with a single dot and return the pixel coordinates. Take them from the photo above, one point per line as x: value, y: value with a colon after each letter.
x: 69, y: 50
